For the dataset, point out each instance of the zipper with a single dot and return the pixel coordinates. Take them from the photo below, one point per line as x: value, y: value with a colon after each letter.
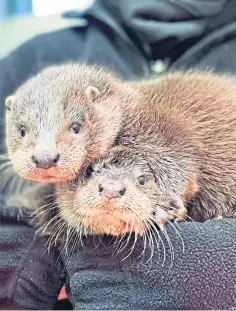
x: 219, y: 35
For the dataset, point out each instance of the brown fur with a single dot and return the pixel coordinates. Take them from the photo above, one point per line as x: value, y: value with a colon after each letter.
x: 189, y: 138
x: 141, y: 207
x: 47, y: 106
x: 184, y: 124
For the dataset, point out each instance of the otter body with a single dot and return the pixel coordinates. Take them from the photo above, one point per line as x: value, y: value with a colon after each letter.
x: 183, y: 124
x: 187, y: 133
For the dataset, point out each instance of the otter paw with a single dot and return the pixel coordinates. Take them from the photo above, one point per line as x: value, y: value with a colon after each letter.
x: 18, y: 201
x: 177, y: 211
x: 18, y: 208
x: 218, y: 217
x: 16, y: 213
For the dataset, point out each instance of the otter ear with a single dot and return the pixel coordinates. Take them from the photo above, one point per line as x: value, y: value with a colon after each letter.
x: 9, y: 102
x: 92, y: 93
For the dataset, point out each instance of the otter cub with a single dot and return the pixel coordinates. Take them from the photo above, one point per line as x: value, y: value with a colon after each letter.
x: 184, y: 124
x: 56, y: 122
x: 118, y: 195
x: 49, y: 135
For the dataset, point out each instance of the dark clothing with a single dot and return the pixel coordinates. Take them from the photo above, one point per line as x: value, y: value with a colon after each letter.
x: 129, y: 37
x: 30, y: 276
x: 201, y: 277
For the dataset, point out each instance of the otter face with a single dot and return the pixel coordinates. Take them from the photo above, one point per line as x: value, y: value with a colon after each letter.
x: 119, y: 196
x: 56, y: 123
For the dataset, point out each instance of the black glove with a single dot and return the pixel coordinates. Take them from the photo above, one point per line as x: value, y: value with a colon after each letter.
x: 30, y: 276
x: 203, y: 276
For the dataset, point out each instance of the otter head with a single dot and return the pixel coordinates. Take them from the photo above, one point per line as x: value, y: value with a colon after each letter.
x: 119, y: 195
x: 61, y: 120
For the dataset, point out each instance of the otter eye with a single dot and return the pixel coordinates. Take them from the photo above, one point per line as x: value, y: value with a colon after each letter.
x: 142, y: 180
x: 89, y: 171
x: 92, y: 171
x: 96, y: 171
x: 23, y: 131
x: 76, y: 127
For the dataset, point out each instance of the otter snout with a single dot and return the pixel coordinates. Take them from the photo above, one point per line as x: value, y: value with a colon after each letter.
x: 112, y: 189
x: 45, y: 159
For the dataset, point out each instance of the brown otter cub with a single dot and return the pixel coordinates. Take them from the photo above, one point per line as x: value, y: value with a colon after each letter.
x: 56, y: 122
x: 184, y: 124
x: 119, y: 195
x: 43, y: 120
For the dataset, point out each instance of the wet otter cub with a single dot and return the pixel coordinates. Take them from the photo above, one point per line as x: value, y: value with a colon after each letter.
x: 183, y: 124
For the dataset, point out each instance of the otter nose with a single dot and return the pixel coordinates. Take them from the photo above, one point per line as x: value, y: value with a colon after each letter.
x: 111, y: 190
x: 45, y: 160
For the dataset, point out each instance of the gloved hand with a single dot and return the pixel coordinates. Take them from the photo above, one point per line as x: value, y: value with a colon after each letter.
x: 203, y: 276
x: 30, y: 276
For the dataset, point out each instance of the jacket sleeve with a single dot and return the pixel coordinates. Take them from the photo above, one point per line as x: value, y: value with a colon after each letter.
x: 200, y: 276
x: 30, y: 275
